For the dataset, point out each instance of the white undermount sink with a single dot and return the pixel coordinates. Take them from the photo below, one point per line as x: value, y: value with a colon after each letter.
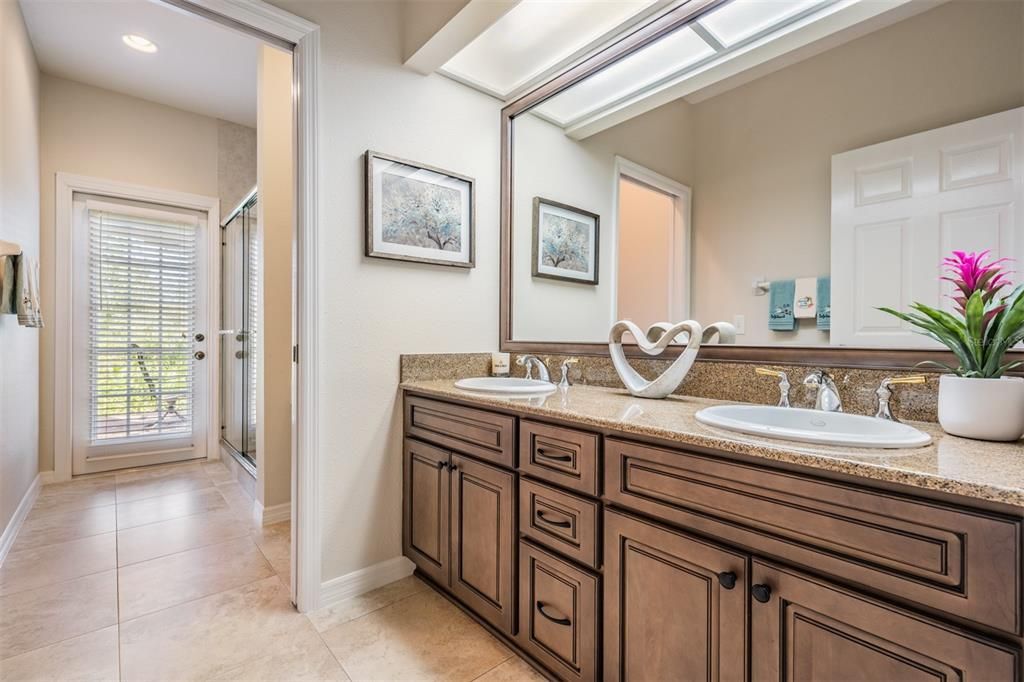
x: 506, y: 385
x: 813, y: 426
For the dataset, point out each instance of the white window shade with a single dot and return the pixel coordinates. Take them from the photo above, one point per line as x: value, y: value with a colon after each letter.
x: 142, y: 316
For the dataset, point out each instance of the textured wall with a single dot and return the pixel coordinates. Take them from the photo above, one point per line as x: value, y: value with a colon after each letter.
x: 19, y: 222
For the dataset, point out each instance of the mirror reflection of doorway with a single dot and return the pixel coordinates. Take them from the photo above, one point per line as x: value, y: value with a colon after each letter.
x: 239, y: 305
x: 653, y: 247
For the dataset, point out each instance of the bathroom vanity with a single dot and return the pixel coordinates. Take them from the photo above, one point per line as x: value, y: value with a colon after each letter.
x: 607, y: 537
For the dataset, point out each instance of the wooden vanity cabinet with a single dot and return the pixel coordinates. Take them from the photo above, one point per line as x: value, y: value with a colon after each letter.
x: 600, y: 557
x: 675, y: 606
x: 804, y: 628
x: 459, y: 528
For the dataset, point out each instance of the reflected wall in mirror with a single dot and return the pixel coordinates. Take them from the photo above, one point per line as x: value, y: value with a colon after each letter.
x: 855, y: 143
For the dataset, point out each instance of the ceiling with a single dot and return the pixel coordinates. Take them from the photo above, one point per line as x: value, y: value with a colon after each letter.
x: 200, y: 66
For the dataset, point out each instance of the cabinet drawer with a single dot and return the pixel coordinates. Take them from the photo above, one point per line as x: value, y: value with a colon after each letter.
x: 564, y: 522
x: 558, y: 618
x: 955, y: 560
x: 483, y: 434
x: 566, y: 457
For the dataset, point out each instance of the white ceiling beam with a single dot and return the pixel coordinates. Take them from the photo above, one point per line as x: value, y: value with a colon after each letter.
x: 847, y: 22
x: 436, y: 30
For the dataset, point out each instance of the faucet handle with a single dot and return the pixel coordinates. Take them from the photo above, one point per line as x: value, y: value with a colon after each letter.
x: 783, y: 383
x: 565, y: 383
x: 884, y: 393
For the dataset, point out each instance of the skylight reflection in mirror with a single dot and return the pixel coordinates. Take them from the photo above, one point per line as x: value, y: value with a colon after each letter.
x: 663, y: 58
x: 740, y: 19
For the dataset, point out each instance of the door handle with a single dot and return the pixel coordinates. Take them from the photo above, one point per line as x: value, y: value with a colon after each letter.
x: 560, y: 524
x: 553, y: 619
x: 541, y: 452
x: 199, y: 355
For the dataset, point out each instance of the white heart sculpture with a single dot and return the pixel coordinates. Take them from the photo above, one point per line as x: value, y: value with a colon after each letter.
x: 659, y: 337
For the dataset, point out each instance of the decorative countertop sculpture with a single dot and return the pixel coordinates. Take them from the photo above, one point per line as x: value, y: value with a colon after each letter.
x: 659, y: 337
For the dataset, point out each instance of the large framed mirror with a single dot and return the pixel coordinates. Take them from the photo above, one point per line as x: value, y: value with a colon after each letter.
x: 785, y: 166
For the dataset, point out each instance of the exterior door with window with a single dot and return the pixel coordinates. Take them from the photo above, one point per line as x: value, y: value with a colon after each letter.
x: 140, y: 324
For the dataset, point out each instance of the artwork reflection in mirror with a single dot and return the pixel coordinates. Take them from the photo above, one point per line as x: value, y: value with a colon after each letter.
x: 831, y: 153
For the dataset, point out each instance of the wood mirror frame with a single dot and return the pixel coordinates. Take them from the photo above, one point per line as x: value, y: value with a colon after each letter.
x: 827, y: 356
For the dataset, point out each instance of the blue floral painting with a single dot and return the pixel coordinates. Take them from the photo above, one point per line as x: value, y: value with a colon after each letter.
x: 565, y: 242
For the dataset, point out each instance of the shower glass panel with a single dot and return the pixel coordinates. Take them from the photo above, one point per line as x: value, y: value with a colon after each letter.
x: 239, y: 304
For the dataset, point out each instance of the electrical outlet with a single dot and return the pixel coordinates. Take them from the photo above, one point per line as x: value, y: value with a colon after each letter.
x: 740, y: 322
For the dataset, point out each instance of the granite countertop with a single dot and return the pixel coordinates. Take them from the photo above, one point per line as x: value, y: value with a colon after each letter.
x: 974, y: 469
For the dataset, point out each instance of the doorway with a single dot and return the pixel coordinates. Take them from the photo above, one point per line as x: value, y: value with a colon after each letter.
x: 652, y: 246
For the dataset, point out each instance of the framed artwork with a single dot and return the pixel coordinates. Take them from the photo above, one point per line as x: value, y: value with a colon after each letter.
x: 566, y: 242
x: 416, y: 212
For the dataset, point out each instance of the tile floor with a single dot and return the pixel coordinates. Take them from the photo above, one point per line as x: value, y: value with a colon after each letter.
x: 159, y: 574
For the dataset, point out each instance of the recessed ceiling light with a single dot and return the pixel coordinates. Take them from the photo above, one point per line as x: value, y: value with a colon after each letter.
x: 137, y: 42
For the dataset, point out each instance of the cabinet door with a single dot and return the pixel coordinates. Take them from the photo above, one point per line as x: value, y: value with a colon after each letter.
x: 803, y: 628
x: 483, y: 539
x: 674, y: 606
x: 425, y: 525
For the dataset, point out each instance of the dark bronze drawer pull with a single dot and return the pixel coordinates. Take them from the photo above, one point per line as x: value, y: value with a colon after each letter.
x: 560, y: 524
x: 557, y: 621
x: 727, y: 579
x: 541, y: 452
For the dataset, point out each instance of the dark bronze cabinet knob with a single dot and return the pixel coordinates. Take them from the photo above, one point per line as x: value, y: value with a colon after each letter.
x: 761, y: 593
x: 727, y: 579
x: 199, y: 355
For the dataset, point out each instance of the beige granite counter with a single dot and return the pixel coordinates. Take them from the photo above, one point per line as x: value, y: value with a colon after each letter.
x: 974, y: 469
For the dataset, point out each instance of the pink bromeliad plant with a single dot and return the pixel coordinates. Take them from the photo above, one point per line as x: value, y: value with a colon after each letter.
x: 988, y: 323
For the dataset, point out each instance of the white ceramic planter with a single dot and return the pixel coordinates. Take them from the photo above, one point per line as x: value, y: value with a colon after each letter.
x: 985, y: 409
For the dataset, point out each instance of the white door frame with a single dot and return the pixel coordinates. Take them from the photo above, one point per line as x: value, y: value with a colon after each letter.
x: 67, y: 186
x: 269, y: 22
x: 281, y: 28
x: 681, y: 251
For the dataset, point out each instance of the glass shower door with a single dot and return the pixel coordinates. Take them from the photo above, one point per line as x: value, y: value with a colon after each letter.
x: 239, y: 305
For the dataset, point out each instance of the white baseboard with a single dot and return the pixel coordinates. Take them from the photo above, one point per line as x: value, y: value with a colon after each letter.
x: 273, y: 514
x: 365, y: 579
x: 11, y: 531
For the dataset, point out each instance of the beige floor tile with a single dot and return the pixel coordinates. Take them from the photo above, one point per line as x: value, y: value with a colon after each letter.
x: 275, y: 543
x: 177, y: 535
x: 73, y: 495
x: 326, y: 618
x: 89, y: 658
x: 50, y: 527
x: 164, y: 507
x: 423, y: 637
x: 28, y: 569
x: 251, y: 632
x: 160, y: 583
x: 156, y: 471
x: 36, y: 618
x: 162, y: 483
x: 514, y: 669
x: 241, y: 503
x: 218, y: 473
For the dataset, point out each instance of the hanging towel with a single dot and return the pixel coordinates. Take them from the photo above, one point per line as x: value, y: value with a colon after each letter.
x: 824, y: 316
x: 27, y: 292
x: 780, y: 305
x: 8, y: 278
x: 805, y: 296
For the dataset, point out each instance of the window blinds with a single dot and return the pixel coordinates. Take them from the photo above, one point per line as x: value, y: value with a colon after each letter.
x: 142, y: 308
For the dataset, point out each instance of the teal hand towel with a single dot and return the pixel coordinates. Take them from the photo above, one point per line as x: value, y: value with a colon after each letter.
x: 824, y: 316
x: 780, y: 305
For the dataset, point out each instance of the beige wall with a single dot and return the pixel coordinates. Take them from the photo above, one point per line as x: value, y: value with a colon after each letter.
x: 372, y: 310
x: 236, y: 164
x: 275, y: 211
x: 90, y: 131
x: 19, y: 222
x: 763, y: 151
x: 551, y: 165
